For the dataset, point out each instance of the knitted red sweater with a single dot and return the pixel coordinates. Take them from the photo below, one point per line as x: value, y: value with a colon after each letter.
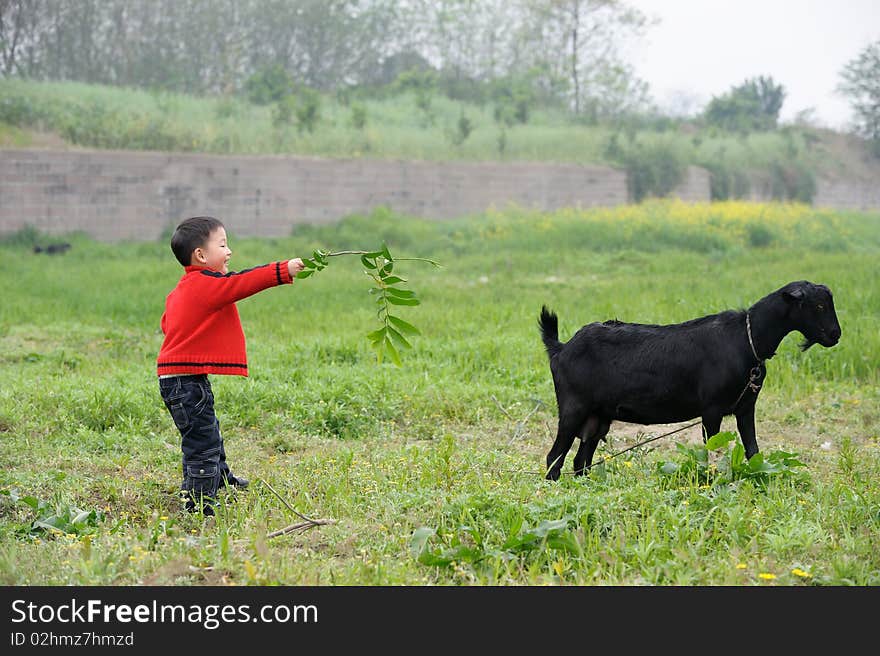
x: 203, y: 333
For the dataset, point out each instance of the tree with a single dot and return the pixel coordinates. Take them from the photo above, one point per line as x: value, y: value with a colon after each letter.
x: 15, y: 19
x: 861, y: 82
x: 578, y: 40
x: 753, y: 105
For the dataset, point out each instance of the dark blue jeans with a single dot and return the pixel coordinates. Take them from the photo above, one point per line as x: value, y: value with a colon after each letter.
x: 190, y: 401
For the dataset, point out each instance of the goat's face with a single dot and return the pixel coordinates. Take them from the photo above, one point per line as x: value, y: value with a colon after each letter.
x: 812, y: 311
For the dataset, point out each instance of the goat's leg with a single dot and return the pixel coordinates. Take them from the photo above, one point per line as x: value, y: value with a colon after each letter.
x: 711, y: 426
x: 595, y: 429
x: 569, y: 424
x: 745, y: 424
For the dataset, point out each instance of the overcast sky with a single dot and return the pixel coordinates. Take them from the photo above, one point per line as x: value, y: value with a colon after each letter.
x: 702, y: 48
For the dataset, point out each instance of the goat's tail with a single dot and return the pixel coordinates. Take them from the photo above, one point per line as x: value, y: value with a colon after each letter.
x: 550, y: 331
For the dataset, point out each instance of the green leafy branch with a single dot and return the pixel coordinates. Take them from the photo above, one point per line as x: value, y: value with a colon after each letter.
x: 732, y: 466
x: 388, y: 290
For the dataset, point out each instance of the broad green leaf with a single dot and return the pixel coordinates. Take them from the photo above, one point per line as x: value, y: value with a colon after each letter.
x: 737, y: 457
x: 403, y: 301
x: 403, y: 326
x: 756, y: 461
x: 386, y: 254
x: 398, y: 339
x: 387, y: 268
x: 305, y: 273
x: 379, y: 347
x: 564, y: 542
x: 33, y: 502
x: 368, y: 262
x: 669, y: 467
x: 719, y: 440
x: 393, y: 280
x: 377, y: 335
x: 549, y: 525
x: 400, y: 293
x: 418, y: 543
x: 392, y: 352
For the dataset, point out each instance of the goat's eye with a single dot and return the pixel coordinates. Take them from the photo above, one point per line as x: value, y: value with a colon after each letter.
x: 820, y: 307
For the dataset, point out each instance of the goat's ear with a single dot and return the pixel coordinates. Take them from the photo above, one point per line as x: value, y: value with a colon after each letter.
x: 795, y: 294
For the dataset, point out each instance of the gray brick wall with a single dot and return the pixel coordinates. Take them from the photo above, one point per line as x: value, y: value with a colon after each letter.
x: 137, y: 195
x: 132, y: 195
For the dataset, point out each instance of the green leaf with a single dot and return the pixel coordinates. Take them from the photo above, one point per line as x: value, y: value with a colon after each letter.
x: 549, y: 525
x: 385, y: 253
x: 368, y: 262
x: 565, y: 542
x: 418, y: 543
x: 308, y: 264
x: 400, y: 293
x: 305, y: 273
x: 403, y: 326
x: 392, y: 352
x: 669, y: 467
x: 737, y: 457
x: 393, y: 280
x: 398, y: 339
x: 719, y: 440
x: 33, y: 502
x: 377, y: 335
x: 403, y: 301
x: 387, y: 268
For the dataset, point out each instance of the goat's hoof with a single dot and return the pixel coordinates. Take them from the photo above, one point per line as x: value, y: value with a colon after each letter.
x: 552, y: 475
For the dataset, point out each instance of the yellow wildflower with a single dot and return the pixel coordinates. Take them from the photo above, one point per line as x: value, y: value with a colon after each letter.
x: 797, y: 571
x: 767, y: 576
x: 740, y: 565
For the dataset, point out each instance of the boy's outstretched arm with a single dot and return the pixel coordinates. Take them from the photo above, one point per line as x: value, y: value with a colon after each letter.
x: 294, y: 266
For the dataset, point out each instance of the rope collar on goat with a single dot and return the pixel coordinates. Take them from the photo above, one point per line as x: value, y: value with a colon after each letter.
x: 755, y: 372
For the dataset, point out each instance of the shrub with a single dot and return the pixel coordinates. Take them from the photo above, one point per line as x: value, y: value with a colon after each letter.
x: 653, y: 169
x: 308, y: 109
x: 268, y: 85
x: 358, y: 116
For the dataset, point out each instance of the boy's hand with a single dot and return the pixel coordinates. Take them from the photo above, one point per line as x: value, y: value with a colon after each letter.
x: 294, y: 266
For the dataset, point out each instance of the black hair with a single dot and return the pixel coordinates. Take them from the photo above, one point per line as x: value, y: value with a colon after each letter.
x: 190, y: 235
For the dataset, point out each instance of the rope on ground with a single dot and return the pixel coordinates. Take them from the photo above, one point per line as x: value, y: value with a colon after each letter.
x: 300, y: 527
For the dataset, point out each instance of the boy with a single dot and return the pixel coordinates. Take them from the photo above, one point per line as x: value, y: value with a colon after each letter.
x: 203, y: 335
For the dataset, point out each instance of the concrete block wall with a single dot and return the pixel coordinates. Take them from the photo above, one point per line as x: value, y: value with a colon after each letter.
x: 137, y: 195
x: 848, y: 194
x: 131, y: 195
x: 695, y: 187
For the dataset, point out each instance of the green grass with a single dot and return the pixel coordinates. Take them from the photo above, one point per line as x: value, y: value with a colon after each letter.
x: 426, y: 469
x: 112, y: 117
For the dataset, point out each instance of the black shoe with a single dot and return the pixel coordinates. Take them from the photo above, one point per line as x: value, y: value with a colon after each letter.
x: 207, y: 509
x: 235, y: 481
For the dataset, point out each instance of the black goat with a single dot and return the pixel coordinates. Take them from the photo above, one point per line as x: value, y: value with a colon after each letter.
x: 52, y: 249
x: 647, y: 374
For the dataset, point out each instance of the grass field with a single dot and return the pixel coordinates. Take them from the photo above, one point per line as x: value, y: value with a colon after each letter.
x: 428, y: 469
x: 100, y: 116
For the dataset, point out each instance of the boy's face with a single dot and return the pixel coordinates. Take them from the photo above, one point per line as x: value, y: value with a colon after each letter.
x: 215, y: 253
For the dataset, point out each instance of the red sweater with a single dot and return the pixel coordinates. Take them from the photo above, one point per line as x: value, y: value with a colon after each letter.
x: 203, y: 333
